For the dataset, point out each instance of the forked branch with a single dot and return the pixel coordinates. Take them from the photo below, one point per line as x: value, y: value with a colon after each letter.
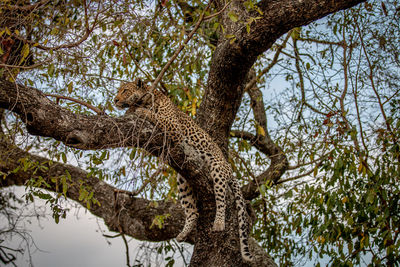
x: 58, y: 97
x: 180, y: 48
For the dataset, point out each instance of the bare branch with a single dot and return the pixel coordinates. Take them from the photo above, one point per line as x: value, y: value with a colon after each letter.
x: 301, y: 82
x: 175, y: 55
x: 25, y: 7
x: 341, y: 44
x: 254, y: 80
x: 26, y: 67
x: 371, y: 78
x: 151, y: 179
x: 97, y: 110
x: 217, y: 13
x: 126, y: 250
x: 88, y: 31
x: 129, y: 215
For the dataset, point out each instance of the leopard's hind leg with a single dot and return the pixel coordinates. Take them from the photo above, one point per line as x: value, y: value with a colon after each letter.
x: 188, y: 202
x: 218, y: 172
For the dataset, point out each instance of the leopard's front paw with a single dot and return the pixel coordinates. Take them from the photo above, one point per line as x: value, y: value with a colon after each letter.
x: 219, y: 225
x: 181, y: 237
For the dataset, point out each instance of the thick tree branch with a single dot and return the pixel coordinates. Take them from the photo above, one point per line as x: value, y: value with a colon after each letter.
x: 134, y: 216
x: 278, y: 165
x: 45, y: 118
x: 232, y: 61
x: 229, y: 68
x: 121, y: 212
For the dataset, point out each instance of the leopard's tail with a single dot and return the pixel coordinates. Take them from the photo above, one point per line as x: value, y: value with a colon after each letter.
x: 244, y: 226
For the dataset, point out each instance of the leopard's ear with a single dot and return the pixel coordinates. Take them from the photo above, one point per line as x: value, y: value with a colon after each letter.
x: 140, y: 83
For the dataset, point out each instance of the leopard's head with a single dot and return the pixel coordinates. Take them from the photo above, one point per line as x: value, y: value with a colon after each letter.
x: 131, y: 94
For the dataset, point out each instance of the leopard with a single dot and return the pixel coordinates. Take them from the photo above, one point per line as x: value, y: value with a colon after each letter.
x: 181, y: 129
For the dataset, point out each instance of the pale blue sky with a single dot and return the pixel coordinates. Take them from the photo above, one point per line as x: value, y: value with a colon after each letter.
x: 76, y: 241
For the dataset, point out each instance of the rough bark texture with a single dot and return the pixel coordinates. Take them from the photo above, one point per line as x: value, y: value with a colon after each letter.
x: 230, y: 66
x: 231, y: 63
x: 120, y: 211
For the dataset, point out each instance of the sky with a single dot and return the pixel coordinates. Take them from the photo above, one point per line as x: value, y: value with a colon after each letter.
x: 76, y: 241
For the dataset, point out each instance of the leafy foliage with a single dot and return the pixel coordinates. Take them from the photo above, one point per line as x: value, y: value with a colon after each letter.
x: 338, y: 121
x: 331, y: 97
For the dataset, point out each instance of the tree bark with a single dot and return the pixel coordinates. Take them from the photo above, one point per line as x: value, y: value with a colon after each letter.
x: 121, y: 212
x: 229, y: 68
x: 230, y: 65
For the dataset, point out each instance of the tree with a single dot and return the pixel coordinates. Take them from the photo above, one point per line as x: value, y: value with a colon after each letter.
x: 318, y: 164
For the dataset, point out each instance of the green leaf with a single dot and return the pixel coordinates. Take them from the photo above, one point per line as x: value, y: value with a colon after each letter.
x: 260, y: 130
x: 25, y: 50
x: 70, y: 87
x: 262, y: 189
x: 315, y: 171
x: 54, y: 31
x: 68, y: 175
x: 296, y: 33
x: 56, y: 218
x: 51, y: 69
x: 370, y: 196
x: 64, y: 157
x: 64, y: 185
x: 24, y: 53
x: 232, y: 15
x: 132, y: 154
x: 103, y: 155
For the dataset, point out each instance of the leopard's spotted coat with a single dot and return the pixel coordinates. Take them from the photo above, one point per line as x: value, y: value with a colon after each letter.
x: 182, y: 130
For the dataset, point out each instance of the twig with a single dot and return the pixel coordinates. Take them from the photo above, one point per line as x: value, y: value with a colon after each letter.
x: 25, y: 67
x: 371, y: 78
x: 175, y: 55
x: 217, y: 13
x: 319, y: 160
x: 89, y: 30
x: 112, y: 236
x: 97, y: 110
x: 253, y: 81
x: 299, y: 176
x: 25, y: 7
x: 341, y: 43
x: 245, y: 165
x: 301, y: 82
x: 126, y: 249
x: 145, y: 183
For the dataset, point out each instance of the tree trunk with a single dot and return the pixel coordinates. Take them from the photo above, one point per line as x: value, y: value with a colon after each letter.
x: 230, y: 66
